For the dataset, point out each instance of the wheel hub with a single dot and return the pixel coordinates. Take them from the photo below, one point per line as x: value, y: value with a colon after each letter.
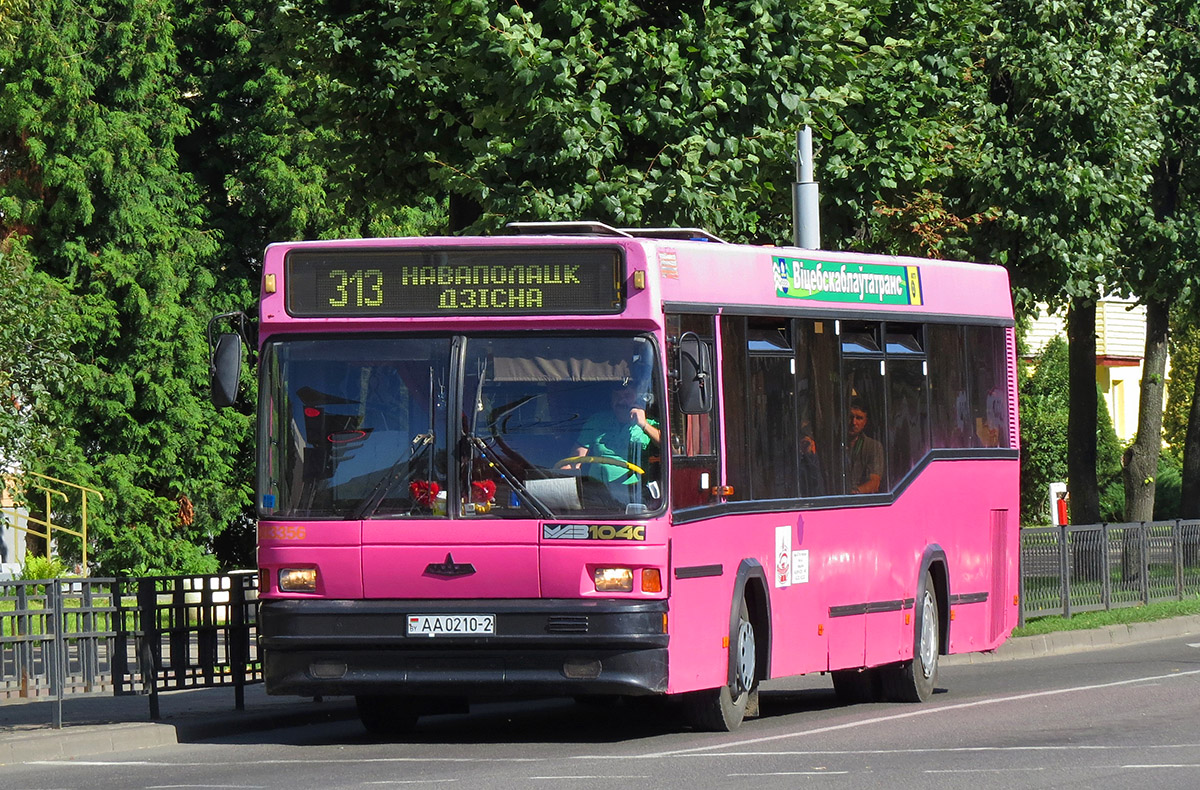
x: 929, y: 631
x: 745, y: 656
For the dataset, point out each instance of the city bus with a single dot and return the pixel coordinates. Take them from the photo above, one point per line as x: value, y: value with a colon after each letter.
x: 598, y: 463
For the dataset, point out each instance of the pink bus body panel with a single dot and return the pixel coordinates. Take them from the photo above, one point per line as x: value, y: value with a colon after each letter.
x: 856, y: 555
x: 966, y: 508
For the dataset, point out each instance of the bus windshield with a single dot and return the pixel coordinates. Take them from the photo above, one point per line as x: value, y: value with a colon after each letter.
x: 548, y: 426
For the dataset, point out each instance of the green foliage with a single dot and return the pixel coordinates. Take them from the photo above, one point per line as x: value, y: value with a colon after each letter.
x: 1167, y: 488
x: 1069, y: 135
x: 1163, y: 258
x: 39, y: 567
x: 1181, y: 382
x: 91, y: 104
x: 35, y: 363
x: 627, y: 113
x: 1108, y: 466
x: 1044, y: 407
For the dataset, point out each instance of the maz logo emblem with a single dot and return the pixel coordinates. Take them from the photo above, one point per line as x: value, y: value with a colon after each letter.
x: 449, y: 568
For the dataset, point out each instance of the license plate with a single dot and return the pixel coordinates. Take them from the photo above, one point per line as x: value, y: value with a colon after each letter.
x: 451, y: 624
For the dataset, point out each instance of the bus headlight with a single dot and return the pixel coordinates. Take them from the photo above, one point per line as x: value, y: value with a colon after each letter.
x: 298, y: 580
x: 613, y: 579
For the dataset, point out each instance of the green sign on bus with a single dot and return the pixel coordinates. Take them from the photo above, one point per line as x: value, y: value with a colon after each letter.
x: 829, y: 281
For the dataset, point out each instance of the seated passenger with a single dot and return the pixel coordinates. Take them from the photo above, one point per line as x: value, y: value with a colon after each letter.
x: 864, y: 455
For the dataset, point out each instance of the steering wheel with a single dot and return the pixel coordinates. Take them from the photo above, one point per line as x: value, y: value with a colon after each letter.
x: 600, y: 459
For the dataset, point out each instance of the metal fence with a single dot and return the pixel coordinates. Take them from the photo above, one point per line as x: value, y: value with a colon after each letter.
x: 1071, y: 569
x: 127, y: 636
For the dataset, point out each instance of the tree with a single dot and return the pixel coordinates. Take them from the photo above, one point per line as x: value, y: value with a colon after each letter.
x: 1067, y: 142
x: 91, y: 111
x: 1160, y: 266
x: 1168, y: 264
x: 1141, y: 460
x: 1184, y: 347
x: 662, y: 113
x: 34, y: 357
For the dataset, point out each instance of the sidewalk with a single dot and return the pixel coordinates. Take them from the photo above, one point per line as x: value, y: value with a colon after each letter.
x: 102, y: 724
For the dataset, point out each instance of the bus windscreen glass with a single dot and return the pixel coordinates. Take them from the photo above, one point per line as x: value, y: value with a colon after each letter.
x: 428, y: 282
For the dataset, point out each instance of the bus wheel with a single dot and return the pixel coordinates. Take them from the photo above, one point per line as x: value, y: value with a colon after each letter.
x: 386, y: 715
x: 913, y: 681
x: 722, y: 709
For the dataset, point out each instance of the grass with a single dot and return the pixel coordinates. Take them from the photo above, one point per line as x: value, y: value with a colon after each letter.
x: 1147, y: 613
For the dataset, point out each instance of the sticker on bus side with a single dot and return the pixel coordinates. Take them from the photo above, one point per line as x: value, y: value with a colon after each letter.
x: 593, y: 532
x: 783, y: 556
x: 827, y: 281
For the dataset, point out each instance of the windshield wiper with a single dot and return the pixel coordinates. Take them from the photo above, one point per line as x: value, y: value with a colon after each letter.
x: 493, y: 457
x: 393, y: 479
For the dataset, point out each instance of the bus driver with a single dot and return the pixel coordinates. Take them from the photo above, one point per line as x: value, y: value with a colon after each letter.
x: 623, y: 432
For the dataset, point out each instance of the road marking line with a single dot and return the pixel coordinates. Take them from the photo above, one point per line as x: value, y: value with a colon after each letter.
x: 795, y: 773
x: 592, y: 778
x: 959, y: 750
x: 1166, y: 765
x: 978, y: 770
x: 336, y: 761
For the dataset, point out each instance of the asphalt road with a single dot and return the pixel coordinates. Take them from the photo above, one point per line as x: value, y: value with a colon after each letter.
x: 1114, y: 718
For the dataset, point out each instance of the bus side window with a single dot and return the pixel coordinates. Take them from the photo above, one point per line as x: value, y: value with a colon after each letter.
x: 818, y: 394
x: 907, y: 404
x: 864, y: 416
x: 949, y: 409
x: 770, y: 416
x: 989, y: 395
x: 865, y: 455
x: 760, y: 408
x: 692, y: 436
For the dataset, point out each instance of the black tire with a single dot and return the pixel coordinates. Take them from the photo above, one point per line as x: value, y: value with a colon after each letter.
x: 853, y: 686
x: 914, y: 680
x: 723, y: 709
x: 386, y: 715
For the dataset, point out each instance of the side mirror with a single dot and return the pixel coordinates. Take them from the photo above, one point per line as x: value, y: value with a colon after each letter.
x: 695, y: 375
x: 226, y: 369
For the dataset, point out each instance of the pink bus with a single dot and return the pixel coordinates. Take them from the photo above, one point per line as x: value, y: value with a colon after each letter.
x: 599, y: 463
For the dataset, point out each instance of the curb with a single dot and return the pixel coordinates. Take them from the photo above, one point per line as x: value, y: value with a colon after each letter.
x: 84, y: 740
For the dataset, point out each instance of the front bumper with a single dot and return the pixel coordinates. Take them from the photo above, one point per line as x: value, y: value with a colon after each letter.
x: 540, y: 648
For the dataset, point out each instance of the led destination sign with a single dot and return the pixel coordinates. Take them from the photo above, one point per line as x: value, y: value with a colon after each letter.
x: 411, y: 282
